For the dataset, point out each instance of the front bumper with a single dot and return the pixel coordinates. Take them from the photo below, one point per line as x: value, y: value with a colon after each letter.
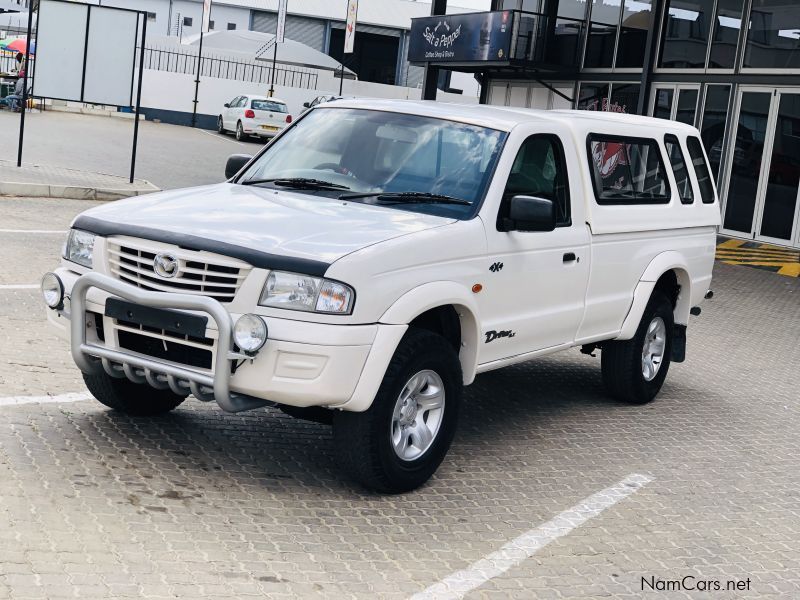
x: 302, y: 364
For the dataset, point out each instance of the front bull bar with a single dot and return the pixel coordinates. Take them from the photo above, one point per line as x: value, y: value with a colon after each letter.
x: 86, y: 355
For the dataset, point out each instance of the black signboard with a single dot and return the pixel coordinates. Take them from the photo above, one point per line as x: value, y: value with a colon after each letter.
x: 466, y: 38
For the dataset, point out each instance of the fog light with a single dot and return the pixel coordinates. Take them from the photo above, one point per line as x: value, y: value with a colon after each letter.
x: 52, y: 291
x: 250, y: 333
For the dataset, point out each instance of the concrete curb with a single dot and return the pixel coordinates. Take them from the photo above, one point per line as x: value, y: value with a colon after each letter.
x: 45, y: 190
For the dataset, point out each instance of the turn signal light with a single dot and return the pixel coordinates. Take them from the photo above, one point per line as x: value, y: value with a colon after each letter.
x: 249, y: 114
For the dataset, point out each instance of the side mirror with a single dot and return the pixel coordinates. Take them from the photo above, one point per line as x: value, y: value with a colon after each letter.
x: 306, y: 104
x: 235, y: 164
x: 529, y: 213
x: 227, y: 105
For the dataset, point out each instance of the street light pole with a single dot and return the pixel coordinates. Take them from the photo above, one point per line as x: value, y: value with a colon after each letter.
x: 274, y: 60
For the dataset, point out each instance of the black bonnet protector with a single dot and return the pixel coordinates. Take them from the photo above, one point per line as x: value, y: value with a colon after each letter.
x: 261, y: 260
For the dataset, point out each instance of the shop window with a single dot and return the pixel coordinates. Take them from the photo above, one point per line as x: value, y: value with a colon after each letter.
x: 627, y: 170
x: 715, y: 119
x: 593, y: 96
x: 686, y: 34
x: 678, y: 163
x: 539, y: 170
x: 687, y: 106
x: 624, y: 98
x: 231, y: 26
x: 636, y: 18
x: 701, y: 170
x: 773, y: 40
x: 663, y: 105
x: 187, y: 21
x: 725, y: 39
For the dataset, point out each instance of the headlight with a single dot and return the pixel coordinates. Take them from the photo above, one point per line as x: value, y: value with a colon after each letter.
x: 250, y: 333
x: 310, y: 294
x: 79, y: 247
x: 52, y: 291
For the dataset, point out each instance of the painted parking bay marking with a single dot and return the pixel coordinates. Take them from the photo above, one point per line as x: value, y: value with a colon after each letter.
x: 783, y: 261
x: 458, y: 584
x: 60, y: 399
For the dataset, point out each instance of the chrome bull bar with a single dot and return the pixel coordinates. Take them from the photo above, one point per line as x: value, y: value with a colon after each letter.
x: 94, y: 359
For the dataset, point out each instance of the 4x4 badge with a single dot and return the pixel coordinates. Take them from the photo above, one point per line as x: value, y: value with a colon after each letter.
x: 498, y: 266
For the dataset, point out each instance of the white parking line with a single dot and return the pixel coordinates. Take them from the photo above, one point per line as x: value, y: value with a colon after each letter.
x: 23, y: 286
x: 18, y: 400
x: 456, y: 585
x: 53, y: 231
x: 222, y: 137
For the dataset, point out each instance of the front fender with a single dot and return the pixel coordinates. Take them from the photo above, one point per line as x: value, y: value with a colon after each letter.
x: 393, y: 325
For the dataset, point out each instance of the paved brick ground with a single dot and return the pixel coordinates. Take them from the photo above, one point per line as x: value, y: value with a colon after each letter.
x: 203, y: 504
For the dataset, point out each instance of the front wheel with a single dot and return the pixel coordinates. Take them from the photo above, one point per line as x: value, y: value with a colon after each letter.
x: 634, y: 370
x: 220, y: 125
x: 131, y: 398
x: 399, y: 442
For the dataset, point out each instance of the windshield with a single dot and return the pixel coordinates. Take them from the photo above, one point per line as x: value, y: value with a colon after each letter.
x: 269, y: 105
x: 378, y: 152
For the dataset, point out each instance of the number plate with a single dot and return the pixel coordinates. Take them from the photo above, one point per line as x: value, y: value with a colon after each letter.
x: 269, y: 128
x: 169, y: 320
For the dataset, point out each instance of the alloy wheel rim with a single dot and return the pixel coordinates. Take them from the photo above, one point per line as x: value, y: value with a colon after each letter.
x: 655, y: 343
x: 417, y: 415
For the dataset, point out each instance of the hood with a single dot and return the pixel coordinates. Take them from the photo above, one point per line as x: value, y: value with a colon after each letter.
x: 247, y: 221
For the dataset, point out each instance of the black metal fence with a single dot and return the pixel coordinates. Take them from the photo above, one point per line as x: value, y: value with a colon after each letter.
x: 8, y: 62
x: 159, y: 59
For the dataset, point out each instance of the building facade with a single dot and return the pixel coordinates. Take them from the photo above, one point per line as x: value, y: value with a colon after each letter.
x: 381, y: 43
x: 729, y: 67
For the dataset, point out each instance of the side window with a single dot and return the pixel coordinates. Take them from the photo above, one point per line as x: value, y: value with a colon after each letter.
x: 627, y: 170
x: 242, y: 102
x: 701, y: 169
x: 678, y: 162
x: 540, y: 170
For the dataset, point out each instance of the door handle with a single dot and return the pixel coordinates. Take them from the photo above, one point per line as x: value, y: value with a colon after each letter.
x: 570, y: 257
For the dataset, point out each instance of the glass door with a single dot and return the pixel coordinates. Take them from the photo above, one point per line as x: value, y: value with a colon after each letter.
x: 778, y: 220
x: 763, y: 184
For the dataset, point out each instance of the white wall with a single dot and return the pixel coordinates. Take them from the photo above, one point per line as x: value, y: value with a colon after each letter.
x: 175, y: 91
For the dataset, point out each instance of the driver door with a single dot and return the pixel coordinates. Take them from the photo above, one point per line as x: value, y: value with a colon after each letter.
x: 537, y: 280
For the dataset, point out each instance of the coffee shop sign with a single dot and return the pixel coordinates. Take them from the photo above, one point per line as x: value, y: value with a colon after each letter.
x: 444, y: 38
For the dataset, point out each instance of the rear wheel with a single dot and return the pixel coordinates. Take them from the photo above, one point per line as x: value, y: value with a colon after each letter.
x: 131, y: 398
x: 240, y: 135
x: 399, y: 442
x: 634, y: 370
x: 220, y: 125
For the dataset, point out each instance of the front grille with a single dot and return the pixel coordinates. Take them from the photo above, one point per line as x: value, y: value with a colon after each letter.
x: 159, y: 343
x: 196, y: 274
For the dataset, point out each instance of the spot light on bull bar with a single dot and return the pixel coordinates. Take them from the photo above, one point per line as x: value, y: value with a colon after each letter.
x: 250, y: 333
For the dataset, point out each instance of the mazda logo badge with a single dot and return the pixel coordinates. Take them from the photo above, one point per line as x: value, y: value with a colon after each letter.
x: 166, y: 265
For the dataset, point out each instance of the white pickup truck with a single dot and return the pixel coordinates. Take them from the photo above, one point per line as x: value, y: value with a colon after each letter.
x: 377, y: 255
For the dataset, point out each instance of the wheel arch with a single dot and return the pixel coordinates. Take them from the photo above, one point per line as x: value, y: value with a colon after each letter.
x: 435, y: 306
x: 668, y: 273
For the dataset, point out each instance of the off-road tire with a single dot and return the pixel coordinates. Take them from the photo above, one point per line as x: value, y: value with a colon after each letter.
x: 362, y: 440
x: 622, y: 360
x: 131, y: 398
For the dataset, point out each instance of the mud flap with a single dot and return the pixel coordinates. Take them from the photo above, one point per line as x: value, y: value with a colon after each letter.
x: 679, y: 343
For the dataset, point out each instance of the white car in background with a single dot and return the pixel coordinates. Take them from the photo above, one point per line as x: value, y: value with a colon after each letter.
x: 249, y: 115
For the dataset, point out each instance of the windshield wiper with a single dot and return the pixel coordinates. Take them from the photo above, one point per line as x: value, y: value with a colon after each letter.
x: 409, y: 198
x: 299, y: 183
